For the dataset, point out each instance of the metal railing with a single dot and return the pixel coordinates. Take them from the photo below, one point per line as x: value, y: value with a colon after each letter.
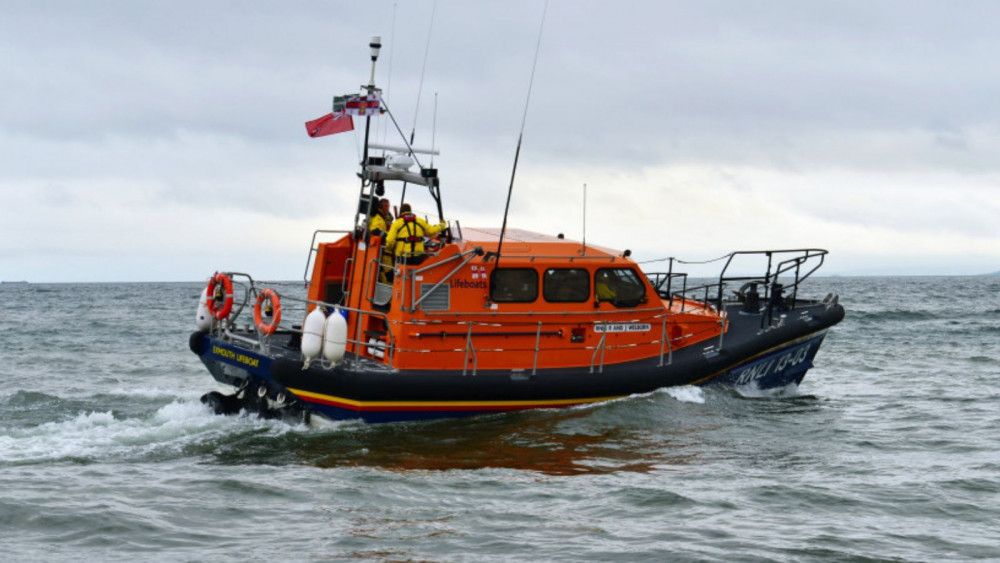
x: 225, y: 328
x: 313, y: 249
x: 799, y: 264
x: 473, y: 346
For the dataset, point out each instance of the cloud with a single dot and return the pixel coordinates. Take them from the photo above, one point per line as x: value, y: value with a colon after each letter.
x: 154, y: 135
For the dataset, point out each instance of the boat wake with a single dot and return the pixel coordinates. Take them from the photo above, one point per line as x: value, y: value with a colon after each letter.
x: 753, y: 391
x: 95, y: 436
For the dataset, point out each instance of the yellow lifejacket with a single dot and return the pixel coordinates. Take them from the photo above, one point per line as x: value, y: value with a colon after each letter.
x: 406, y: 235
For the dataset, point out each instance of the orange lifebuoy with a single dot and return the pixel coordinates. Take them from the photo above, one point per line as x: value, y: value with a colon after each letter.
x: 258, y: 319
x: 227, y: 295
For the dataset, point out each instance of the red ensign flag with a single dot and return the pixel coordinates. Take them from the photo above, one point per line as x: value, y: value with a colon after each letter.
x: 329, y: 124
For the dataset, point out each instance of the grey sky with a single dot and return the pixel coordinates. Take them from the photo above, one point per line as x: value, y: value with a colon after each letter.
x: 165, y: 140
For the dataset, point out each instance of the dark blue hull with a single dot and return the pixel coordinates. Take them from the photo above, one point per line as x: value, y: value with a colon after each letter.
x: 370, y: 391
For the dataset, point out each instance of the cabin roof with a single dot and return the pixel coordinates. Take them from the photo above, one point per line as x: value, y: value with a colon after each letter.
x: 519, y: 241
x: 492, y: 234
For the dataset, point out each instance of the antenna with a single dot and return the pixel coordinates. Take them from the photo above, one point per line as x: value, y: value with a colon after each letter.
x: 423, y: 70
x: 434, y: 127
x: 524, y: 118
x: 392, y: 49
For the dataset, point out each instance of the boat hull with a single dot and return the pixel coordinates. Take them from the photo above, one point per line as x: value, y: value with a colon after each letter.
x: 747, y: 355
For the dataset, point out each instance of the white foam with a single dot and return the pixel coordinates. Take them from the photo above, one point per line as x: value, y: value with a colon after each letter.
x: 101, y: 436
x: 686, y: 394
x: 154, y: 392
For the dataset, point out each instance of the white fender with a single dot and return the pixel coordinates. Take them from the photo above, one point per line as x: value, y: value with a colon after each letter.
x: 312, y: 334
x: 203, y: 319
x: 335, y: 337
x: 376, y: 348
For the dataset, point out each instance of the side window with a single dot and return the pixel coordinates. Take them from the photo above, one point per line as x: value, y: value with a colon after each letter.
x: 621, y: 286
x: 514, y: 285
x: 566, y: 285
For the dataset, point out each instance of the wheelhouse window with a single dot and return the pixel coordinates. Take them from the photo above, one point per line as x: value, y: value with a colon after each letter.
x: 514, y: 285
x: 621, y: 286
x: 566, y: 285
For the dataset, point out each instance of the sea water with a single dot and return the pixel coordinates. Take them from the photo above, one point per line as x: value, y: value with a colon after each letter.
x: 889, y: 450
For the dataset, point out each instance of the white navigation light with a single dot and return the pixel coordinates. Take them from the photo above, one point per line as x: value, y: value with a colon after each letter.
x: 376, y: 44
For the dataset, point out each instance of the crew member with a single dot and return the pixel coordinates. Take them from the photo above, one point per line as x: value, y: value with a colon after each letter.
x: 378, y: 225
x: 406, y: 235
x: 603, y: 286
x: 380, y: 219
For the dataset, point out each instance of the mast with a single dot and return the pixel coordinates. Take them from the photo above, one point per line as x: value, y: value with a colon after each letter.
x: 375, y: 45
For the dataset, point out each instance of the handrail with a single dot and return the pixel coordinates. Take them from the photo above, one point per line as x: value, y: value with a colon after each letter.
x: 589, y: 313
x: 538, y: 338
x: 570, y: 257
x: 665, y: 341
x: 801, y: 257
x: 262, y: 343
x: 391, y: 348
x: 657, y: 279
x: 470, y: 349
x: 345, y: 292
x: 412, y: 276
x: 799, y: 264
x: 599, y: 348
x: 313, y: 249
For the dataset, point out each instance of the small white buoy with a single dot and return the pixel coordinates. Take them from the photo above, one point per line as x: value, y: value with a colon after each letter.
x: 312, y: 335
x: 335, y: 337
x: 203, y: 320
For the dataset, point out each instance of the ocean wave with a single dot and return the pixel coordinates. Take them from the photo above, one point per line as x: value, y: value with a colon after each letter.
x: 22, y: 398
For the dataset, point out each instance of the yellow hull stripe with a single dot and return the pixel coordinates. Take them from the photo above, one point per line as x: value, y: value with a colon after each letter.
x: 448, y: 404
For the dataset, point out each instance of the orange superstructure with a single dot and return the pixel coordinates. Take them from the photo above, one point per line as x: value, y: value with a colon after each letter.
x: 458, y: 309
